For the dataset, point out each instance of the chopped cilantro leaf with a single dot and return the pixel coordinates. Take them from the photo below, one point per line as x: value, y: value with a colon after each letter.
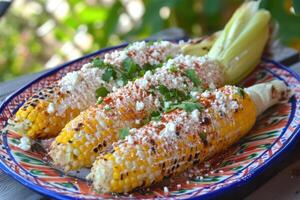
x: 171, y: 94
x: 169, y: 57
x: 191, y: 74
x: 108, y: 74
x: 107, y: 107
x: 155, y: 115
x: 157, y: 66
x: 188, y: 106
x: 151, y: 42
x: 163, y: 90
x: 101, y: 92
x: 241, y: 92
x: 202, y: 135
x: 142, y: 73
x: 177, y: 95
x: 130, y: 67
x: 173, y: 69
x: 124, y: 79
x: 99, y: 100
x: 191, y: 106
x: 123, y: 132
x: 98, y: 62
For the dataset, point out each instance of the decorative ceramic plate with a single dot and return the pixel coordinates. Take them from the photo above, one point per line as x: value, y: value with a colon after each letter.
x: 275, y: 131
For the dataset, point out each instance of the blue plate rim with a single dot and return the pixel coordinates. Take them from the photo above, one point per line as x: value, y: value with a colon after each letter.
x: 209, y: 195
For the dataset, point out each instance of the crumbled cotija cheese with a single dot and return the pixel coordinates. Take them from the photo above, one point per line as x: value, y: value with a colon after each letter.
x: 51, y: 108
x: 139, y: 106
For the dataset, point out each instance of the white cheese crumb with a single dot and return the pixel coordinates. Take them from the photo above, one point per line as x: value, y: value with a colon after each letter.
x: 166, y: 190
x: 139, y: 106
x: 195, y: 115
x: 194, y: 94
x: 142, y: 83
x: 147, y: 75
x: 206, y: 94
x: 50, y: 108
x: 167, y: 104
x: 169, y: 130
x: 70, y: 80
x: 157, y: 102
x: 137, y: 121
x: 120, y: 83
x: 234, y: 105
x: 25, y: 143
x: 130, y: 139
x: 132, y: 130
x: 212, y: 86
x: 87, y: 65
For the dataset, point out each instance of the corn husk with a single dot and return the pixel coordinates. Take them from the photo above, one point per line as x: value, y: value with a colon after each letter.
x: 241, y: 43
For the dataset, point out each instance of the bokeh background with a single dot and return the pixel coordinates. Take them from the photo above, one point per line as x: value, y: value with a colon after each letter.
x: 40, y: 34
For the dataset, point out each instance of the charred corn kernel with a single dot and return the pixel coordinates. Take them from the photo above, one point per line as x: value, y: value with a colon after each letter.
x: 45, y: 113
x: 135, y: 101
x: 34, y: 120
x: 198, y: 135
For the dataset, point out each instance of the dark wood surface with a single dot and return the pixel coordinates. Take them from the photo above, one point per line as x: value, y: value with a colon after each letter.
x: 274, y: 183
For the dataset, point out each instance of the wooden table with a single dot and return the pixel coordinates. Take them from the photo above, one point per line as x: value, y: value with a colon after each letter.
x: 275, y: 183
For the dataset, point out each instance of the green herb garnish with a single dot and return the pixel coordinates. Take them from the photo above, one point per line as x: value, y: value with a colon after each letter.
x: 123, y: 133
x: 142, y: 73
x: 202, y: 135
x: 98, y: 62
x: 169, y: 57
x: 171, y: 94
x: 163, y: 90
x: 108, y: 74
x: 191, y: 74
x: 241, y: 92
x: 191, y: 106
x: 188, y: 106
x: 101, y: 92
x: 130, y: 67
x: 107, y: 107
x: 155, y: 115
x: 149, y: 43
x: 99, y: 100
x: 173, y: 69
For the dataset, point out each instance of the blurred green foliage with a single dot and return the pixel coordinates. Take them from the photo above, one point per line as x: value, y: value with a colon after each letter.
x: 44, y: 33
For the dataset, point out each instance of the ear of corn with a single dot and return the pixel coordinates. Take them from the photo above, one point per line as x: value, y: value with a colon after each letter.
x: 39, y: 118
x: 241, y: 43
x: 34, y: 119
x: 153, y: 153
x: 162, y: 149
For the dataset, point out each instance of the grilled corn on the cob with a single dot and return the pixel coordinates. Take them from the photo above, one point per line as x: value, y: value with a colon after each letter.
x: 44, y: 114
x: 96, y: 128
x: 161, y: 149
